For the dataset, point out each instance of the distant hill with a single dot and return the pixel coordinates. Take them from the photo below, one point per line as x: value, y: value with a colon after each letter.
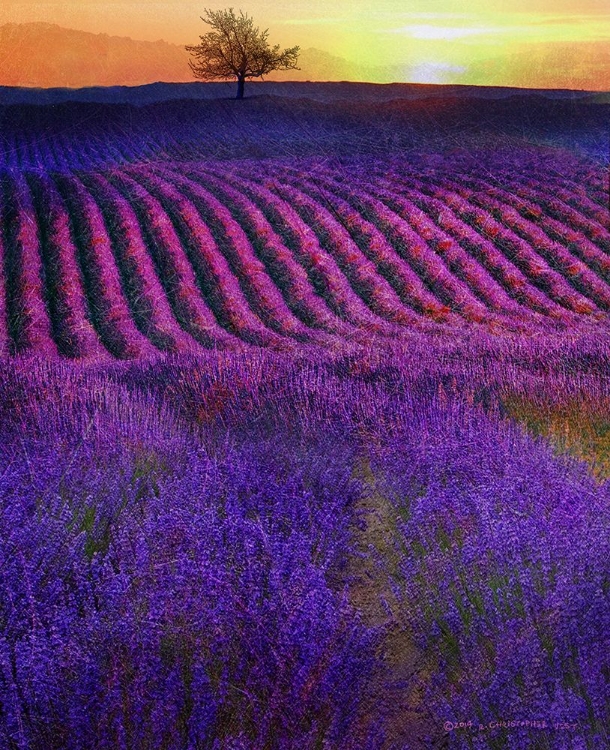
x: 49, y: 56
x: 575, y: 65
x: 329, y: 91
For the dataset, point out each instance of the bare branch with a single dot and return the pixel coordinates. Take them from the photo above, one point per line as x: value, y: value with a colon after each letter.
x: 235, y: 48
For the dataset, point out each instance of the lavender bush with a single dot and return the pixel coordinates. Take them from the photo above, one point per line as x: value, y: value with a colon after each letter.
x: 155, y: 595
x: 500, y: 568
x: 180, y: 542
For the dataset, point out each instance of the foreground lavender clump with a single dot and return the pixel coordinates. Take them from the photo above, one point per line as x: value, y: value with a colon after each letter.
x: 500, y: 566
x: 185, y: 543
x: 171, y: 599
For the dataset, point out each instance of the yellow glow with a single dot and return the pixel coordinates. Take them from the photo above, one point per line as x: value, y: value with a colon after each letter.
x: 445, y: 32
x: 433, y: 72
x: 522, y: 41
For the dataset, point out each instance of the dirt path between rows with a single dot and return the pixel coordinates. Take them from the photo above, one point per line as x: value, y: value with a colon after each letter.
x: 408, y: 725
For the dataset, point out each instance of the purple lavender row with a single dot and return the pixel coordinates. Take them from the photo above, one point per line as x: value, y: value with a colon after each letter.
x: 103, y: 151
x: 410, y: 231
x: 260, y: 292
x: 458, y: 260
x: 292, y: 278
x: 598, y: 191
x: 95, y: 152
x: 34, y: 160
x: 531, y: 203
x: 75, y: 152
x: 571, y: 188
x: 69, y: 146
x: 446, y: 210
x: 559, y: 296
x: 174, y: 267
x: 10, y: 147
x: 268, y: 243
x: 573, y: 194
x: 479, y: 281
x: 23, y: 154
x: 507, y: 207
x: 373, y: 244
x: 27, y: 308
x: 24, y: 158
x: 417, y: 253
x: 59, y: 162
x: 381, y: 299
x: 592, y: 189
x: 76, y: 334
x: 533, y: 265
x: 155, y: 313
x: 320, y: 264
x: 112, y: 313
x: 590, y: 226
x: 224, y: 293
x: 5, y: 338
x: 116, y: 151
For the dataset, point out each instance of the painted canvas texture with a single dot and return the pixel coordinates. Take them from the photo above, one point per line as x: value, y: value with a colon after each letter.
x: 304, y: 375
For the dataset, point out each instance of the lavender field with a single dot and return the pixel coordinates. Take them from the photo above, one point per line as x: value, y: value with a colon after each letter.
x: 305, y: 418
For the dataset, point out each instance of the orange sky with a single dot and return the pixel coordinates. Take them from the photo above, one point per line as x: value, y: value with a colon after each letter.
x: 516, y: 42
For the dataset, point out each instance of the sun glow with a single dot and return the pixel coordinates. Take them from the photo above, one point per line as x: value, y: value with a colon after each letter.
x: 445, y: 32
x: 433, y: 72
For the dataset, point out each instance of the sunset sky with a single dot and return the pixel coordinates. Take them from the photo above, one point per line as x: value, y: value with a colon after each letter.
x: 420, y: 40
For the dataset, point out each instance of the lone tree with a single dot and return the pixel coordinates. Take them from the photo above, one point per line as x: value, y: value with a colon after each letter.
x: 237, y: 49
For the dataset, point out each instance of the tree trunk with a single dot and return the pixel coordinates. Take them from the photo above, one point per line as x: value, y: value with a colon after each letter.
x: 240, y: 87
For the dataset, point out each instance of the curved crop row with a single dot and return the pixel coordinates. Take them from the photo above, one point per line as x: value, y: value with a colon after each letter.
x: 174, y: 267
x: 319, y: 263
x: 73, y: 329
x: 110, y: 306
x: 574, y: 195
x: 28, y: 317
x: 578, y: 261
x: 465, y: 269
x: 418, y: 253
x: 147, y: 297
x: 285, y: 272
x: 259, y: 294
x: 216, y: 279
x: 447, y: 212
x: 5, y: 339
x: 570, y: 225
x: 593, y: 187
x: 552, y: 292
x: 523, y: 254
x: 374, y: 290
x: 586, y: 219
x: 457, y: 260
x: 274, y: 282
x: 167, y: 256
x: 376, y: 247
x: 500, y: 221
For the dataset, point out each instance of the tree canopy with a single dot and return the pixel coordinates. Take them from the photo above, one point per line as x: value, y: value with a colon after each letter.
x: 235, y: 48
